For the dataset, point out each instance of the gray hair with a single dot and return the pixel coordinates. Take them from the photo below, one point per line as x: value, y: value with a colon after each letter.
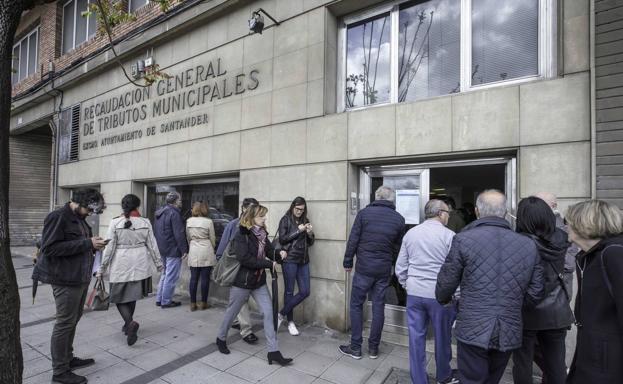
x: 172, y: 197
x: 385, y: 193
x: 433, y: 207
x: 491, y: 202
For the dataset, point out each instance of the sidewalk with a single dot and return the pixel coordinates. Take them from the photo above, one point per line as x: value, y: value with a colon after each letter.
x: 177, y: 346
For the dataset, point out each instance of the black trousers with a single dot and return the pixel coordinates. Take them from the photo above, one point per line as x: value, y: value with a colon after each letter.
x: 69, y: 300
x: 552, y: 345
x: 480, y: 366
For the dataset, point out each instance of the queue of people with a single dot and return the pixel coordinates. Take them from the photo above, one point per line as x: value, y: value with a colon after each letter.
x: 507, y: 290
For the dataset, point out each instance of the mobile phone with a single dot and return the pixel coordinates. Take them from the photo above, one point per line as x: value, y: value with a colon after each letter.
x: 107, y: 241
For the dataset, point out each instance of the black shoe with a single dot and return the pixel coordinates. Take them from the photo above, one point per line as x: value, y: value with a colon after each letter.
x: 250, y: 338
x: 222, y: 346
x: 69, y: 378
x: 172, y: 304
x: 77, y: 362
x: 236, y: 326
x: 449, y: 380
x: 157, y: 303
x: 373, y: 353
x: 348, y: 351
x: 132, y: 332
x: 278, y: 358
x: 124, y: 329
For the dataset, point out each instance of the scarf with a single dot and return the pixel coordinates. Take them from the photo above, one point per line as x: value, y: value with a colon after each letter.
x: 261, y: 235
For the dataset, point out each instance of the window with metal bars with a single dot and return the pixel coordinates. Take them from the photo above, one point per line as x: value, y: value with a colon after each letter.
x: 69, y: 135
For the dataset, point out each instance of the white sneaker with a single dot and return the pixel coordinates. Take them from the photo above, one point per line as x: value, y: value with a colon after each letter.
x: 292, y: 329
x: 280, y: 320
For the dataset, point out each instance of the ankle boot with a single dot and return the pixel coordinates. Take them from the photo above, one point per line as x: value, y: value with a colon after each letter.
x: 203, y: 305
x: 278, y: 358
x: 193, y: 307
x: 222, y: 346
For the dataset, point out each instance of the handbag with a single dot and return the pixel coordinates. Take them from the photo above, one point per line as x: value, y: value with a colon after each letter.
x: 225, y: 271
x: 99, y: 299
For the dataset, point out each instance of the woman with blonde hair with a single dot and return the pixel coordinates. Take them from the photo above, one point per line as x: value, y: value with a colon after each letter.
x: 596, y: 227
x: 201, y: 257
x: 129, y: 259
x: 255, y: 253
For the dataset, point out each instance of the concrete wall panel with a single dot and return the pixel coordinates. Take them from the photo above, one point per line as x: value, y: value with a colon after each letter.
x: 286, y: 183
x: 255, y: 183
x: 226, y: 152
x: 227, y: 117
x: 329, y: 219
x: 327, y: 138
x: 255, y: 148
x: 325, y: 259
x: 424, y: 127
x: 290, y: 103
x: 200, y: 156
x: 327, y: 304
x: 326, y: 181
x: 372, y: 132
x: 290, y: 69
x: 288, y: 143
x: 256, y: 110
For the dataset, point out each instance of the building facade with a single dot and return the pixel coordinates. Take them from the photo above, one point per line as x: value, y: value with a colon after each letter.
x: 435, y: 98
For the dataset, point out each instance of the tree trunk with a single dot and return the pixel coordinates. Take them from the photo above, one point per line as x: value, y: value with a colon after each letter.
x: 11, y: 361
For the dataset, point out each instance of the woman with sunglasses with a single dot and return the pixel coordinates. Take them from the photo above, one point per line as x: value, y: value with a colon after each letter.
x: 295, y: 236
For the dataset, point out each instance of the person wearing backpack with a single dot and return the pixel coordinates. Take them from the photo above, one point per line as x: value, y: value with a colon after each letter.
x: 255, y: 253
x: 548, y: 321
x: 296, y: 236
x: 596, y: 227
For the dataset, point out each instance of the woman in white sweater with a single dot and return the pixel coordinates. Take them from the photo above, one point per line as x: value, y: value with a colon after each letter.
x: 129, y: 259
x: 201, y: 257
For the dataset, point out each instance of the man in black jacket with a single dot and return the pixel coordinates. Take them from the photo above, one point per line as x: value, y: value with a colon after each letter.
x: 498, y: 272
x: 375, y: 238
x: 66, y: 262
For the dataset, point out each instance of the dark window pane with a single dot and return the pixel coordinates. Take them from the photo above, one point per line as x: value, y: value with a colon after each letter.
x: 136, y: 4
x: 81, y: 22
x: 68, y: 27
x: 32, y: 55
x: 429, y: 50
x: 368, y: 62
x: 23, y: 59
x: 15, y: 66
x: 505, y: 40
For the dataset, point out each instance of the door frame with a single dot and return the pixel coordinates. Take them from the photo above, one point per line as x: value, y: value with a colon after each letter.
x: 395, y: 326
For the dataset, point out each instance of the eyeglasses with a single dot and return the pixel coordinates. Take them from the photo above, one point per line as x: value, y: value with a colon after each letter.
x: 444, y: 210
x: 299, y: 209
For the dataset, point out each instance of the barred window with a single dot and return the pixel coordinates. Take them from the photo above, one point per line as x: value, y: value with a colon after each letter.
x: 69, y: 135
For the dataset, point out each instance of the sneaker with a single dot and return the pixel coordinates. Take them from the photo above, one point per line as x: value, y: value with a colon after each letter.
x: 449, y: 380
x: 373, y: 353
x: 348, y: 351
x: 280, y: 320
x: 77, y: 363
x: 69, y: 378
x: 292, y: 329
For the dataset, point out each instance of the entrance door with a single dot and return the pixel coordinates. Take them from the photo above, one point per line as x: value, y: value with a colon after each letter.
x: 457, y: 182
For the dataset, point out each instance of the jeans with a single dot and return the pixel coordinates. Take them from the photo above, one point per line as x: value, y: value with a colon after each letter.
x: 294, y: 272
x: 239, y: 297
x: 168, y: 279
x: 197, y: 273
x: 552, y: 345
x: 69, y: 300
x: 420, y: 311
x: 376, y: 287
x: 480, y: 366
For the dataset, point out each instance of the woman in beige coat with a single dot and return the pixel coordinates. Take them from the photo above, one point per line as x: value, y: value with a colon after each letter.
x: 130, y: 258
x: 201, y: 257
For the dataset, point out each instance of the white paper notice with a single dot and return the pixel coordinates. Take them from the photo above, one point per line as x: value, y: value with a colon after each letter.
x: 408, y: 205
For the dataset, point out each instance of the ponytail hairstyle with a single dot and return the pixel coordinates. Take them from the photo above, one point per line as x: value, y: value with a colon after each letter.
x: 129, y: 203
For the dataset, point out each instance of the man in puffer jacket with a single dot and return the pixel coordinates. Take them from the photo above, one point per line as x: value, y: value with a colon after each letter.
x: 498, y: 272
x: 375, y: 238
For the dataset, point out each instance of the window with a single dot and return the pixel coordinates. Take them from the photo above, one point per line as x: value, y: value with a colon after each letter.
x: 25, y: 56
x: 133, y: 5
x: 77, y: 28
x: 413, y: 50
x: 69, y: 135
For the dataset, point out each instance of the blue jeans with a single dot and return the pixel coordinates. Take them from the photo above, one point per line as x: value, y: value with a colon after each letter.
x: 376, y: 287
x: 299, y: 273
x: 197, y: 273
x: 420, y: 311
x: 168, y: 279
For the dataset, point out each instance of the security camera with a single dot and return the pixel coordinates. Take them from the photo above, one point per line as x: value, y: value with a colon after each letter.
x: 256, y: 22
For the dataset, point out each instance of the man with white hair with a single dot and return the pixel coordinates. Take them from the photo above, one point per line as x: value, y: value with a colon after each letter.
x: 424, y: 249
x: 170, y: 232
x: 498, y: 272
x: 375, y: 239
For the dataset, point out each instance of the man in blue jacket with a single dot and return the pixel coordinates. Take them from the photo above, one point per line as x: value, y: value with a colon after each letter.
x: 375, y: 238
x: 499, y: 272
x: 170, y: 232
x: 243, y: 320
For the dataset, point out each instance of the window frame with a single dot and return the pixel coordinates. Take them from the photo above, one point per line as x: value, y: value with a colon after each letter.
x: 547, y: 55
x: 130, y: 6
x: 20, y: 43
x: 89, y: 33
